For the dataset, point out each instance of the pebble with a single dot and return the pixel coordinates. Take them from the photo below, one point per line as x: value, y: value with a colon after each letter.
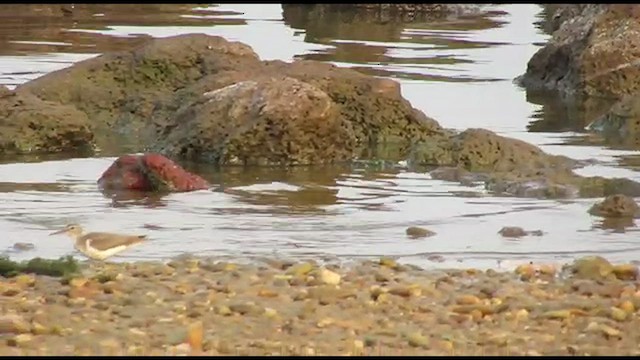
x: 417, y: 339
x: 329, y: 277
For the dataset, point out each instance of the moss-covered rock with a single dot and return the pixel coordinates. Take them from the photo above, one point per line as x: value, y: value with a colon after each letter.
x: 31, y: 125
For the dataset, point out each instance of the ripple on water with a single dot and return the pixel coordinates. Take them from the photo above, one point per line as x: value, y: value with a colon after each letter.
x: 458, y: 72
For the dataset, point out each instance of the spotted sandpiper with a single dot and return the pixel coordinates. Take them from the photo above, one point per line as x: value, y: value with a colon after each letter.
x: 99, y: 245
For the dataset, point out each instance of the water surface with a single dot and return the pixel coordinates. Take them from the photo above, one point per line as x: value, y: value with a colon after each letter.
x: 459, y: 72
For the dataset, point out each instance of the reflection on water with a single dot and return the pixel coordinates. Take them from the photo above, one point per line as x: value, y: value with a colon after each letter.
x: 459, y: 71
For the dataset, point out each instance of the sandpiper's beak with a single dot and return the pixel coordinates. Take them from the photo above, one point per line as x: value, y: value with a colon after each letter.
x: 58, y: 232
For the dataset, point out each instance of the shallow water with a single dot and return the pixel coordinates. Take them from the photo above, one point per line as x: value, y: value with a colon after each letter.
x: 458, y: 72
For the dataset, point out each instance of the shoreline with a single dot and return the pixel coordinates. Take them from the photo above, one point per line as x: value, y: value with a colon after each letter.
x: 196, y: 306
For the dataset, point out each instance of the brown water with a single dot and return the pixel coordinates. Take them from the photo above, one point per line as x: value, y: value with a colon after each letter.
x: 459, y: 72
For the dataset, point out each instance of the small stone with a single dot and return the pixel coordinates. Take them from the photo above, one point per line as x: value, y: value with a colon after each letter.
x: 627, y: 306
x: 223, y: 310
x: 416, y: 232
x: 38, y: 329
x: 468, y: 300
x: 270, y: 313
x: 604, y: 329
x: 370, y: 342
x: 406, y: 291
x: 267, y: 293
x: 390, y: 263
x: 15, y: 324
x: 137, y: 332
x: 20, y: 340
x: 526, y: 271
x: 522, y: 314
x: 618, y: 314
x: 557, y: 314
x: 512, y: 232
x: 325, y: 322
x: 299, y: 269
x: 246, y: 308
x: 382, y: 277
x: 358, y: 345
x: 416, y: 339
x: 78, y: 282
x: 329, y: 277
x: 626, y: 271
x: 476, y: 315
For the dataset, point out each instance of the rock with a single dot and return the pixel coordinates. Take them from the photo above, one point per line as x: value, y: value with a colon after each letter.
x: 119, y: 91
x: 329, y: 277
x: 516, y: 232
x: 512, y: 231
x: 149, y: 172
x: 22, y: 246
x: 251, y: 117
x: 616, y: 206
x: 31, y: 125
x: 260, y: 123
x: 590, y: 54
x: 415, y: 232
x: 620, y: 124
x: 591, y: 267
x: 15, y: 324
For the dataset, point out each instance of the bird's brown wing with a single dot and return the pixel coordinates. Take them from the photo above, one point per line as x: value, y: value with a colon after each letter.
x: 105, y: 241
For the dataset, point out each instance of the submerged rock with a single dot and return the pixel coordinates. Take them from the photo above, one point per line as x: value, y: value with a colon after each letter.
x: 149, y: 172
x: 621, y: 123
x: 516, y: 232
x: 616, y: 206
x: 418, y: 232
